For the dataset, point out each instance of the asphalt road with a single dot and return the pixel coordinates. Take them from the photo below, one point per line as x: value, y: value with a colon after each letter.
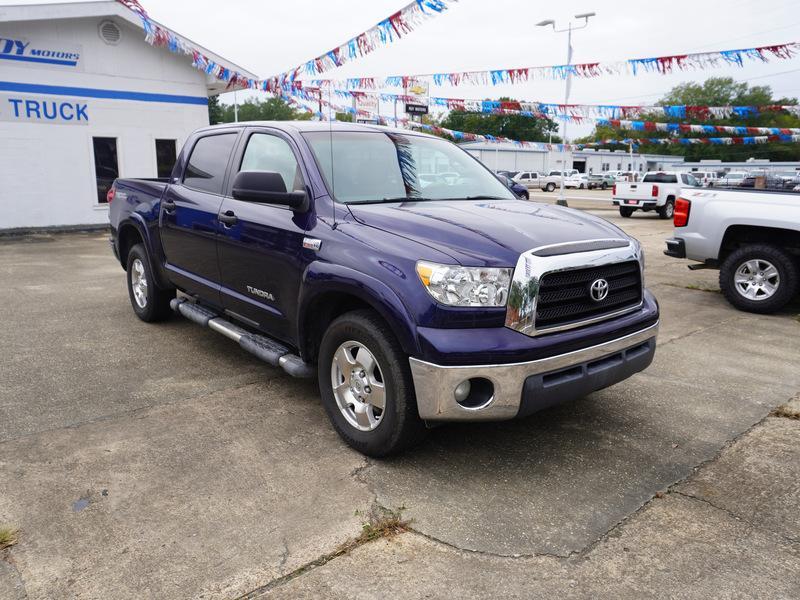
x: 161, y: 461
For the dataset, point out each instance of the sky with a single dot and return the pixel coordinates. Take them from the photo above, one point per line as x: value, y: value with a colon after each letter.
x: 269, y: 37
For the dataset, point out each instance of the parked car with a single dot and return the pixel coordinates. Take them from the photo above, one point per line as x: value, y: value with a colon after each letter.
x: 520, y: 191
x: 530, y: 179
x: 601, y: 180
x: 578, y: 181
x: 553, y: 179
x: 730, y: 179
x: 788, y: 179
x: 315, y: 247
x: 751, y: 236
x: 657, y: 191
x: 705, y: 178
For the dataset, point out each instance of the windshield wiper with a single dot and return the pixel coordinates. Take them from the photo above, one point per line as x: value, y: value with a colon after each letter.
x: 398, y: 199
x: 484, y: 198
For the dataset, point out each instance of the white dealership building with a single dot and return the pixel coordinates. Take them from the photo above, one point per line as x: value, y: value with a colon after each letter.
x: 84, y: 99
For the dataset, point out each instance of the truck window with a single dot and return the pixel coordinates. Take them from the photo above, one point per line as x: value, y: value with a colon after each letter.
x: 106, y: 168
x: 660, y: 178
x: 206, y: 168
x: 166, y: 153
x: 267, y: 152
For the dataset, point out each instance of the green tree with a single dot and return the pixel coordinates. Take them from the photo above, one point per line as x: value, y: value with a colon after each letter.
x: 716, y: 91
x: 253, y: 109
x: 515, y: 127
x: 214, y: 110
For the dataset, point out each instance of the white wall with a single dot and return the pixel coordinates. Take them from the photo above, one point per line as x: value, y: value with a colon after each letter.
x: 47, y: 166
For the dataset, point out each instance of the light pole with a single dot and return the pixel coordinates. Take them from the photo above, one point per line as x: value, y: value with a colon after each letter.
x: 585, y: 16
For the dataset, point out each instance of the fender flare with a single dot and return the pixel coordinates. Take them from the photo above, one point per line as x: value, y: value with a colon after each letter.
x: 136, y: 221
x: 321, y: 277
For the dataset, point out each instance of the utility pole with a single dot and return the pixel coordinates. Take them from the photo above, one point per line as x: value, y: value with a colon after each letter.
x: 562, y: 200
x: 235, y: 107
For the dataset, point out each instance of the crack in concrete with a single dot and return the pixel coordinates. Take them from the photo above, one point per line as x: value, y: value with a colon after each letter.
x: 6, y: 558
x: 737, y: 517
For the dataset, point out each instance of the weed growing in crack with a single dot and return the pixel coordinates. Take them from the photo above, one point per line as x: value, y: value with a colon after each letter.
x: 8, y: 536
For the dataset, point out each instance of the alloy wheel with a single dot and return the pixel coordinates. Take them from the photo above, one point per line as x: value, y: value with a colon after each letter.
x: 358, y: 385
x: 139, y: 283
x: 756, y: 279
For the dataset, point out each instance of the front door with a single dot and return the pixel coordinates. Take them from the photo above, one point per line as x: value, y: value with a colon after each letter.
x: 260, y: 244
x: 189, y: 216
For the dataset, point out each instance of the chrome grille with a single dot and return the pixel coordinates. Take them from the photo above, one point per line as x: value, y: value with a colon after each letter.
x: 550, y: 286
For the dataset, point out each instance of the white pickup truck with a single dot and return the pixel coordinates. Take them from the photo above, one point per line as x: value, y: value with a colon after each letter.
x: 657, y: 191
x: 751, y: 236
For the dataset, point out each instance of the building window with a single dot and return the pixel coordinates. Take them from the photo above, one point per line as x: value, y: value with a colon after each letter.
x: 106, y: 167
x: 165, y: 157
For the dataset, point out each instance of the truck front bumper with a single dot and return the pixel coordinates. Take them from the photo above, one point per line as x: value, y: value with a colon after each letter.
x: 505, y: 391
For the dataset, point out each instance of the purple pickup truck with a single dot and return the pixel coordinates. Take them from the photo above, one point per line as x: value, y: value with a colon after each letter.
x: 390, y: 265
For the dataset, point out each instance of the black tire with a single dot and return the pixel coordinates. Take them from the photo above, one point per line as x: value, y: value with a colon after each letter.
x: 526, y: 195
x: 787, y: 285
x: 399, y: 426
x: 155, y: 306
x: 604, y: 186
x: 626, y: 211
x: 580, y: 187
x: 668, y: 210
x: 551, y: 187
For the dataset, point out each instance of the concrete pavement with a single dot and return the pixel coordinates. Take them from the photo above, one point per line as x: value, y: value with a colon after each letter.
x: 162, y: 461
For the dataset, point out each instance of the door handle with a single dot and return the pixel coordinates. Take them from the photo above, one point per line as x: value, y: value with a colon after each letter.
x: 228, y: 218
x: 169, y: 205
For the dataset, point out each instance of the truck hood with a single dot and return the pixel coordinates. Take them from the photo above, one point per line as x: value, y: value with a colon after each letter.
x: 484, y: 232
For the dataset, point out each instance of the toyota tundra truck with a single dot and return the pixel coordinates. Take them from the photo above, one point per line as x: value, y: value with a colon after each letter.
x: 323, y: 250
x: 656, y: 191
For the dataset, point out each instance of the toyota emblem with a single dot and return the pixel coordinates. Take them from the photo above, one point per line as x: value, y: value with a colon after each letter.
x: 598, y: 290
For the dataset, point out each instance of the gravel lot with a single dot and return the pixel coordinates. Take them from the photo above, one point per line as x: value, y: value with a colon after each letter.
x: 161, y: 461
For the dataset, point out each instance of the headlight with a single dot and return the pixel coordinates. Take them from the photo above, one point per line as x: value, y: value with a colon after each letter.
x: 465, y: 286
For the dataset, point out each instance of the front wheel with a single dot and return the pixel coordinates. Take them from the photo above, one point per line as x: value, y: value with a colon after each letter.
x: 758, y: 278
x: 526, y: 195
x: 625, y: 211
x: 580, y: 187
x: 604, y: 186
x: 366, y: 385
x: 149, y: 302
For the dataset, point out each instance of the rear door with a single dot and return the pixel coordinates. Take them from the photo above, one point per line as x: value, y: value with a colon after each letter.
x: 189, y: 215
x: 260, y: 247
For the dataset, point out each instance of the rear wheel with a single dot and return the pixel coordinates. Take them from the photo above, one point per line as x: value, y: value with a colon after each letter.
x: 759, y: 278
x: 668, y: 210
x: 625, y: 211
x: 551, y: 187
x: 149, y: 302
x: 366, y: 386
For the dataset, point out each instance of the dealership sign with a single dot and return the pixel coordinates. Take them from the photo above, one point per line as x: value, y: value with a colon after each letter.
x: 27, y: 53
x: 43, y: 109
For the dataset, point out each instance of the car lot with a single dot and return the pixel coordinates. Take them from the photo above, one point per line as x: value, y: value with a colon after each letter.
x: 163, y: 461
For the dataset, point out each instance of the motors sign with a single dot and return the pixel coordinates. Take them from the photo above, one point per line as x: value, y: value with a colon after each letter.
x: 46, y: 110
x: 26, y: 53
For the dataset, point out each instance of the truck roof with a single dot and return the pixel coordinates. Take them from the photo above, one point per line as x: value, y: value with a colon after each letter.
x: 306, y: 126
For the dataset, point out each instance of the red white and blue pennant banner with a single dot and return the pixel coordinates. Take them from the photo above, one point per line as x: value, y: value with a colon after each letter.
x: 383, y: 33
x: 634, y: 66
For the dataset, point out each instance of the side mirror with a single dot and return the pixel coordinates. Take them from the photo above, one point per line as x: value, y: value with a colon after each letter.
x: 267, y: 187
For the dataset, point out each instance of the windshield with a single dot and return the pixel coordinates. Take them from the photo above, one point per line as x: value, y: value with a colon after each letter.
x: 391, y: 166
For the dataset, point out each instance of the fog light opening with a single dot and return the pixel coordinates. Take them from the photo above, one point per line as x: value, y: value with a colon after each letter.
x: 475, y: 393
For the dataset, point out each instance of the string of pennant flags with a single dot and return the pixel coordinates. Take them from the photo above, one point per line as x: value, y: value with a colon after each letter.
x: 635, y: 66
x: 463, y: 136
x: 408, y: 17
x: 609, y: 111
x: 404, y: 21
x: 509, y: 108
x: 386, y: 31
